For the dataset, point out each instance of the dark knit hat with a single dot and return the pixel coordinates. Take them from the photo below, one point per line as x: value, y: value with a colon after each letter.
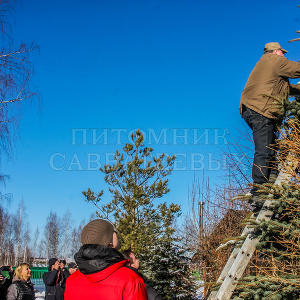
x: 51, y: 262
x: 98, y: 232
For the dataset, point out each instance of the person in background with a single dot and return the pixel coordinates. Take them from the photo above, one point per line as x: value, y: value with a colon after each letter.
x: 102, y: 270
x: 21, y: 287
x: 64, y: 273
x: 72, y: 268
x: 6, y: 277
x: 53, y: 280
x: 62, y: 264
x: 134, y: 264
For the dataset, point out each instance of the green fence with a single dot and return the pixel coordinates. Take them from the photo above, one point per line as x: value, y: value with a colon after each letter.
x: 37, y: 272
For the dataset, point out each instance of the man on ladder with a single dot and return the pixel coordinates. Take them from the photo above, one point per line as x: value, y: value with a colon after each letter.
x: 262, y: 106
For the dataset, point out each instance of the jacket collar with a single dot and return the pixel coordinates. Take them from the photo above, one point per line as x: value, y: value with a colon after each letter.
x: 93, y: 258
x: 106, y: 272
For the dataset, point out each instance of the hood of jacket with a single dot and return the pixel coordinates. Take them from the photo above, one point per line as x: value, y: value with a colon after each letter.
x: 98, y: 262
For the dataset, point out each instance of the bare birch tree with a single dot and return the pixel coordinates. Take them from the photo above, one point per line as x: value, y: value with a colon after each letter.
x: 52, y: 235
x: 16, y: 71
x: 18, y: 224
x: 4, y: 230
x: 66, y: 231
x: 26, y: 243
x: 35, y: 242
x: 75, y: 242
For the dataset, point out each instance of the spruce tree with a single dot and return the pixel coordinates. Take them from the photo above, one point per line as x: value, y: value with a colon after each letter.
x: 171, y: 274
x: 169, y: 265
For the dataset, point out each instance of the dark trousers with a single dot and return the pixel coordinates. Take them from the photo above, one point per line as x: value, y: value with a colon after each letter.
x: 264, y: 134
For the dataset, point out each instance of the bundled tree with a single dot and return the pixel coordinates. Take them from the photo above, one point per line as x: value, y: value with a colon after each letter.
x: 137, y: 180
x: 275, y: 270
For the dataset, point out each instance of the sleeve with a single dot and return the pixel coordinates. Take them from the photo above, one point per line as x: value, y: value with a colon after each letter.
x: 294, y: 89
x: 152, y: 294
x: 49, y: 278
x: 135, y: 290
x: 12, y: 292
x: 288, y: 68
x: 66, y: 273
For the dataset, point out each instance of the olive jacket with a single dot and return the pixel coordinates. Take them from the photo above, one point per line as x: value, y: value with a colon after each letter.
x: 268, y: 87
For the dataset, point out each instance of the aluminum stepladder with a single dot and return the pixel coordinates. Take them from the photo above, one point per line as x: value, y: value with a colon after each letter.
x: 241, y: 256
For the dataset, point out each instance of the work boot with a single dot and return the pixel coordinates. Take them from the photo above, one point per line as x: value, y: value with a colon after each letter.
x: 257, y: 202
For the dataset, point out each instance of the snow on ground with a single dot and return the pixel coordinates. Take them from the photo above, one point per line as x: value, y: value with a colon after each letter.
x: 39, y: 295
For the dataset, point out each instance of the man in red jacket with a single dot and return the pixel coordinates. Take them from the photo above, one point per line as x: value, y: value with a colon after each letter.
x: 102, y: 273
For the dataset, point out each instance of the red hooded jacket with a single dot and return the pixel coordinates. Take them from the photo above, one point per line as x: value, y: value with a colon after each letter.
x: 115, y: 282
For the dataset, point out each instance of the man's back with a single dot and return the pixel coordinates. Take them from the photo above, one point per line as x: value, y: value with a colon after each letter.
x: 104, y: 277
x: 267, y: 88
x: 114, y: 282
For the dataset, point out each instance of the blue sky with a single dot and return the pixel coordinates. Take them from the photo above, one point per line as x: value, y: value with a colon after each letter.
x: 154, y: 65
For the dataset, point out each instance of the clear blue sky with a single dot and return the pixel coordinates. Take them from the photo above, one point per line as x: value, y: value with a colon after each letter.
x: 154, y: 65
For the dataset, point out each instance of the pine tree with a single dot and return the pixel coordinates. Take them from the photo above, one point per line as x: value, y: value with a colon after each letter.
x: 137, y: 180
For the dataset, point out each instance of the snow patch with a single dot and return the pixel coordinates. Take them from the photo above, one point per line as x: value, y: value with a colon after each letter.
x: 39, y: 295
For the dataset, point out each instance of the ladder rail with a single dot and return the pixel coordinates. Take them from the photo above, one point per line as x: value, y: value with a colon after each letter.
x: 228, y: 265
